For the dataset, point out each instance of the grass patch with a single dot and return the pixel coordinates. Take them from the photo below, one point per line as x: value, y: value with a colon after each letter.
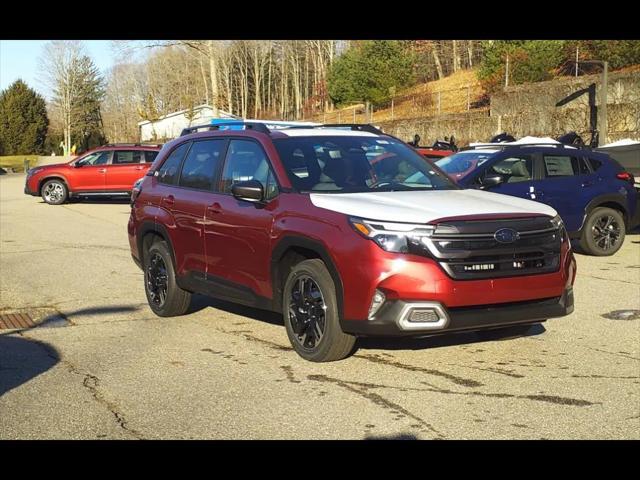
x: 17, y: 161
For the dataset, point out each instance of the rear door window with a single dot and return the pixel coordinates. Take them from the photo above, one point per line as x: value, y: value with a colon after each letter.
x: 121, y: 157
x: 150, y: 156
x: 170, y: 169
x: 595, y: 164
x: 561, y: 166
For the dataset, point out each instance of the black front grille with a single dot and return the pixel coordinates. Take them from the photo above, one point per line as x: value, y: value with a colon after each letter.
x: 469, y: 251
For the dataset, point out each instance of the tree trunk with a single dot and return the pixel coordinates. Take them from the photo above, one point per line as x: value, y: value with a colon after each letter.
x: 436, y: 59
x: 213, y: 71
x: 204, y: 80
x: 456, y: 56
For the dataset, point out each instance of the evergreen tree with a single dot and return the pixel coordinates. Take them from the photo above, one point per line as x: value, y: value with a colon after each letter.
x: 87, y: 130
x: 528, y: 60
x: 367, y: 72
x: 23, y: 120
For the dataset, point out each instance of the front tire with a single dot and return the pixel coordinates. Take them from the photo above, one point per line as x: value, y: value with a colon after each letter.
x: 165, y: 297
x: 54, y: 192
x: 603, y: 232
x: 311, y: 317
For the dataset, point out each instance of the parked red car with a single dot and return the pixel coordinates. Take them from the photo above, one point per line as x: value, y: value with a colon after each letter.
x: 434, y: 153
x: 110, y: 170
x: 345, y: 232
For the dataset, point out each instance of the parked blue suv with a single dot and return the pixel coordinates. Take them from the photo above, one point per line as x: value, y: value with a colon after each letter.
x: 593, y: 194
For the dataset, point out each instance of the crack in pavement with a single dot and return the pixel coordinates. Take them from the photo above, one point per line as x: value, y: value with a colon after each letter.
x: 465, y: 382
x: 376, y: 399
x: 497, y: 370
x: 289, y: 372
x: 576, y: 402
x: 609, y: 279
x: 253, y: 338
x: 612, y: 353
x: 91, y: 383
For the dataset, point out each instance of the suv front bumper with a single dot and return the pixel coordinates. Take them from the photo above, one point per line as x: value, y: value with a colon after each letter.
x: 393, y: 319
x: 29, y: 191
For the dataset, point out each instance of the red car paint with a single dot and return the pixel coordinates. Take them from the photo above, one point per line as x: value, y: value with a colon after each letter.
x: 218, y: 235
x: 96, y: 179
x: 434, y: 154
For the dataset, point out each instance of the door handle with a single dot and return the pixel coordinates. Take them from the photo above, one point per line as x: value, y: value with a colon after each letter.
x: 588, y: 183
x: 102, y: 170
x: 214, y: 208
x: 140, y: 168
x: 168, y: 200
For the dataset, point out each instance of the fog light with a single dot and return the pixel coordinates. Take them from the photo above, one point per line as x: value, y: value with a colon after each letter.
x: 424, y: 315
x: 376, y: 303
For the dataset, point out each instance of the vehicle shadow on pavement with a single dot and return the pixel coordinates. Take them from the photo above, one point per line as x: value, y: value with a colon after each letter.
x: 95, y: 201
x: 400, y: 436
x: 444, y: 340
x: 200, y: 302
x: 22, y: 360
x: 60, y: 319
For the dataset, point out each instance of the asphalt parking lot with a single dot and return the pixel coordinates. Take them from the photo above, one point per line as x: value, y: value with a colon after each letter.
x: 101, y: 365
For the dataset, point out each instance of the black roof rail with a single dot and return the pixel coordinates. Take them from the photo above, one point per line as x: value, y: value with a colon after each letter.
x: 502, y: 146
x: 360, y: 127
x: 258, y: 127
x: 132, y: 145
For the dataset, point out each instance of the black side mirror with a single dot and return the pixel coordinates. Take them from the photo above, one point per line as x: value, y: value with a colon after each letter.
x: 249, y: 191
x: 77, y: 164
x: 492, y: 179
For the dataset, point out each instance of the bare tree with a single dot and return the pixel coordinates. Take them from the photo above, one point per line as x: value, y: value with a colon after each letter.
x: 60, y: 63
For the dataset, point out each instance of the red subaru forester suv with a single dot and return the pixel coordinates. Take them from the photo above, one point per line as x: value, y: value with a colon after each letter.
x: 110, y: 170
x: 347, y: 232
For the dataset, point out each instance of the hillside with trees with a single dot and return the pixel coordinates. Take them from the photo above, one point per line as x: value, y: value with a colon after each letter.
x: 323, y: 80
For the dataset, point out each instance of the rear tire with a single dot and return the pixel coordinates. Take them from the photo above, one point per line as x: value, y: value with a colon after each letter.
x: 54, y: 192
x: 603, y: 232
x: 165, y: 297
x: 311, y: 318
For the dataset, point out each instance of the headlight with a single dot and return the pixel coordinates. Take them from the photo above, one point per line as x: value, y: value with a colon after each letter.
x: 559, y: 224
x: 136, y: 185
x: 557, y: 221
x: 391, y: 236
x: 33, y: 171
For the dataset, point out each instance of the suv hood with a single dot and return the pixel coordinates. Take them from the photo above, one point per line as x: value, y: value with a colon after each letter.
x: 53, y: 165
x: 425, y: 206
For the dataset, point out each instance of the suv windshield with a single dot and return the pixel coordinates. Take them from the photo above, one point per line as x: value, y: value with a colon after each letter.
x: 461, y: 164
x: 347, y: 164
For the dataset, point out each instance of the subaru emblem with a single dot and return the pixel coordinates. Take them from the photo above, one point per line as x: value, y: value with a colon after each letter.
x: 506, y: 235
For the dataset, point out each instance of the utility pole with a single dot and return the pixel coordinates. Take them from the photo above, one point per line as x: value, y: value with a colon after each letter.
x: 602, y: 111
x: 601, y: 106
x: 506, y: 73
x: 577, y: 48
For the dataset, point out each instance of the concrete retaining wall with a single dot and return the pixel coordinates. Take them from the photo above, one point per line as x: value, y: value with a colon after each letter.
x: 530, y: 110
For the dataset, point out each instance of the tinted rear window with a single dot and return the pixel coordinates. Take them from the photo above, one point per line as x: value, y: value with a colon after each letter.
x: 150, y: 156
x: 170, y: 169
x: 595, y: 164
